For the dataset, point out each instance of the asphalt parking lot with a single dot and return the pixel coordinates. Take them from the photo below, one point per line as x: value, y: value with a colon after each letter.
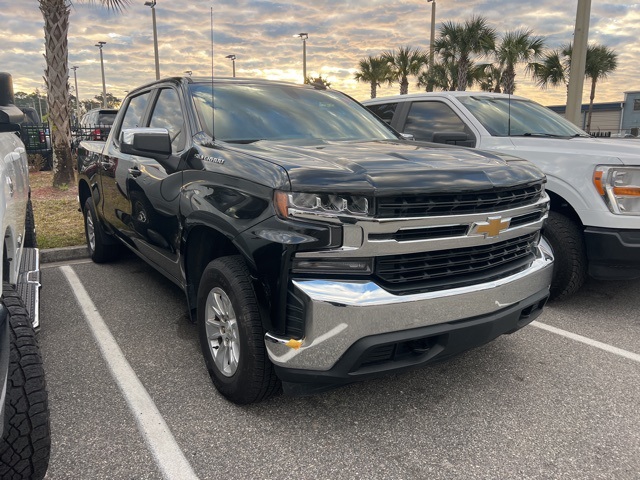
x: 130, y: 397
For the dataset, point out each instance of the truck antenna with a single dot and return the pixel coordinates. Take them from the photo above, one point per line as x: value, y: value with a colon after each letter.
x: 213, y: 109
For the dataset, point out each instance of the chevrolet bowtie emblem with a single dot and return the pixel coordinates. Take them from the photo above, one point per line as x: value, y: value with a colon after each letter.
x: 492, y: 227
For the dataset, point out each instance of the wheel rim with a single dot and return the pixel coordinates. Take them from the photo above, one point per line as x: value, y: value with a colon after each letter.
x: 222, y: 332
x: 91, y: 233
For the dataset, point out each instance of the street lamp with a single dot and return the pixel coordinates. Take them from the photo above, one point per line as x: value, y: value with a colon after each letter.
x: 75, y: 78
x: 233, y: 63
x: 152, y: 4
x: 304, y: 37
x: 432, y: 39
x: 104, y: 85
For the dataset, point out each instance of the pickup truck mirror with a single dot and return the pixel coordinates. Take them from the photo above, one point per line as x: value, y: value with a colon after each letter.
x: 146, y: 142
x: 450, y: 138
x: 407, y: 136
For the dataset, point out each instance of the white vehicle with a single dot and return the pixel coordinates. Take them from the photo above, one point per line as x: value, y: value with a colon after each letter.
x: 25, y: 440
x: 594, y: 183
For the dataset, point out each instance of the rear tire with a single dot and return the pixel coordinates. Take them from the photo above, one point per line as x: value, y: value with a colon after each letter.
x: 100, y: 249
x: 570, y: 258
x: 26, y: 443
x: 231, y: 333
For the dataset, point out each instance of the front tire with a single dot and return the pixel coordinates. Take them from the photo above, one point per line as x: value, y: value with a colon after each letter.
x: 570, y: 257
x: 100, y: 249
x: 231, y: 333
x: 26, y: 443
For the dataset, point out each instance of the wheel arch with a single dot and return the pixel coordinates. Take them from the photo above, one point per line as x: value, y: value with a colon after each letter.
x: 202, y: 245
x: 560, y: 205
x: 84, y: 192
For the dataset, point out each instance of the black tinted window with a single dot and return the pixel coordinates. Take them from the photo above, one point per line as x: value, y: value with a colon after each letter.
x: 252, y: 112
x: 106, y: 118
x: 167, y: 113
x: 385, y: 111
x: 427, y: 118
x: 135, y: 111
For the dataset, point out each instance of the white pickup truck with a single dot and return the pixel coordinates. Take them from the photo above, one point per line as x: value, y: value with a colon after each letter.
x: 594, y: 184
x: 24, y: 414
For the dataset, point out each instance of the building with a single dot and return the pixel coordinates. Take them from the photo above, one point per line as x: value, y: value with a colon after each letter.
x: 618, y: 119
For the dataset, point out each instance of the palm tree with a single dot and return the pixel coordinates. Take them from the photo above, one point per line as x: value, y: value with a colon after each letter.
x: 601, y: 61
x: 56, y: 29
x: 444, y: 75
x: 556, y: 67
x: 459, y: 42
x: 488, y: 76
x: 517, y: 46
x: 406, y: 61
x: 375, y: 71
x: 553, y: 70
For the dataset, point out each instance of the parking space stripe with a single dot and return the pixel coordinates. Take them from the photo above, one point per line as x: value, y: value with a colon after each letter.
x: 594, y: 343
x: 156, y: 433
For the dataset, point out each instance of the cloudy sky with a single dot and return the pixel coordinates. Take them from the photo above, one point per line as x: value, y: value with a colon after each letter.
x: 260, y: 33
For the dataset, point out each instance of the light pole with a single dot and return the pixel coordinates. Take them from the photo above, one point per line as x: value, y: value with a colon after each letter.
x: 578, y: 63
x: 304, y: 37
x: 233, y: 63
x: 104, y: 85
x: 75, y: 78
x: 152, y: 4
x: 432, y: 39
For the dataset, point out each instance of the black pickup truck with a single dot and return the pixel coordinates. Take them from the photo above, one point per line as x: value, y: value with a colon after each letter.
x: 315, y: 245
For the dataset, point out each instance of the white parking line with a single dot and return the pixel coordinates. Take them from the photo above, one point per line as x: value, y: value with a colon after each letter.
x: 594, y: 343
x: 159, y: 439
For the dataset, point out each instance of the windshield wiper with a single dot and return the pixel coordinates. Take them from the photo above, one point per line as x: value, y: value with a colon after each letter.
x: 541, y: 134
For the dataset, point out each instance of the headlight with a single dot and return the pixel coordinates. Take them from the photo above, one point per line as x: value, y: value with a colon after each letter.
x: 619, y: 188
x: 291, y: 204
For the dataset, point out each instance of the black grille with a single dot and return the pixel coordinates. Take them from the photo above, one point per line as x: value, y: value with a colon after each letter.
x: 430, y: 271
x: 456, y: 203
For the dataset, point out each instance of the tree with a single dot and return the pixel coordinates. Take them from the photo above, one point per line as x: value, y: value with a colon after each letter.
x: 488, y: 76
x: 56, y: 29
x: 600, y: 63
x: 517, y: 46
x: 375, y: 71
x: 555, y: 68
x: 459, y: 42
x: 405, y: 62
x: 318, y: 82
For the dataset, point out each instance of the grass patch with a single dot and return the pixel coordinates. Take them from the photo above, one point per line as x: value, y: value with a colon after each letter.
x: 58, y: 221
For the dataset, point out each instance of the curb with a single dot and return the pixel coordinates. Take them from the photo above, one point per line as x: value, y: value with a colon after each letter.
x: 63, y: 254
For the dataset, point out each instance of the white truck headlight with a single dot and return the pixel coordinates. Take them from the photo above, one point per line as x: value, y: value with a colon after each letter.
x: 291, y: 204
x: 619, y: 188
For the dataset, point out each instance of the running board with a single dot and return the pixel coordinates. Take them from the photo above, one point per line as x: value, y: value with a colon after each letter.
x: 29, y: 284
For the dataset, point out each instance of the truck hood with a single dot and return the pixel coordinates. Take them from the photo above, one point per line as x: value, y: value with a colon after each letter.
x: 392, y: 167
x: 595, y: 150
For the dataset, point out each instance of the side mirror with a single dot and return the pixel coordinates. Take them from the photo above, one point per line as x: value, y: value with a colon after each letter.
x: 146, y: 142
x: 407, y: 136
x: 452, y: 138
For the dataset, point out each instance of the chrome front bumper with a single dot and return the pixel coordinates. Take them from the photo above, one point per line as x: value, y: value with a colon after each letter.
x: 339, y: 313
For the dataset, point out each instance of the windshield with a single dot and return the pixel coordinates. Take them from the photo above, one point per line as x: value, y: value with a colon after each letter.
x: 248, y: 113
x: 517, y: 117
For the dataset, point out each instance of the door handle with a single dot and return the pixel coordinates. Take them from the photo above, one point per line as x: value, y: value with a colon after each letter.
x: 135, y: 172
